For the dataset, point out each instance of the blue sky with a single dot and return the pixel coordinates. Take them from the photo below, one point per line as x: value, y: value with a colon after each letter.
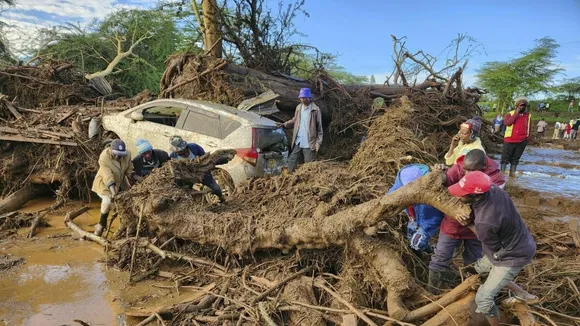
x: 359, y: 31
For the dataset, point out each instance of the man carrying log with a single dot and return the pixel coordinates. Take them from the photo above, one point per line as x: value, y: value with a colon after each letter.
x: 180, y: 149
x: 148, y: 158
x: 452, y: 233
x: 114, y: 165
x: 466, y: 139
x: 424, y: 220
x: 307, y: 135
x: 506, y: 241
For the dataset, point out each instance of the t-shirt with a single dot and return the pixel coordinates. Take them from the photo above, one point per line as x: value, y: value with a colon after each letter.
x: 542, y: 126
x: 463, y: 149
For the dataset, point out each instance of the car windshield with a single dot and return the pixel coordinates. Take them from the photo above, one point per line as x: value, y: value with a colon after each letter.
x: 270, y: 139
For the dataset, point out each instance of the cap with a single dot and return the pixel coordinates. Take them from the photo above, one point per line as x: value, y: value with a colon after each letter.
x: 178, y: 143
x: 474, y: 124
x: 473, y: 183
x: 118, y: 147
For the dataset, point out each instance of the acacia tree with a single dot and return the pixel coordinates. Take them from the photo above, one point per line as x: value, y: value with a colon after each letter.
x: 532, y: 72
x: 569, y: 87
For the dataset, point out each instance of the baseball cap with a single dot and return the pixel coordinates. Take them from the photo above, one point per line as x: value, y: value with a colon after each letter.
x: 473, y: 183
x: 118, y: 147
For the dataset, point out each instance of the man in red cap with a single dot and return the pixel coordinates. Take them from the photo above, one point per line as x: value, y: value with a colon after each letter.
x: 452, y: 234
x: 507, y: 243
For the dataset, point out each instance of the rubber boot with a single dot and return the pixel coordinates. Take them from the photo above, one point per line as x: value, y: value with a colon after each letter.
x: 99, y: 228
x: 435, y: 282
x: 513, y: 168
x: 503, y: 167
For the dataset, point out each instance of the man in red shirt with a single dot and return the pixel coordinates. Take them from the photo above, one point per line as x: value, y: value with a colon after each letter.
x: 452, y: 233
x: 517, y: 133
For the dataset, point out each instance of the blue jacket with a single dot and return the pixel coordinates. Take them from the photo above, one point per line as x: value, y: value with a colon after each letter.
x: 195, y: 149
x: 426, y: 217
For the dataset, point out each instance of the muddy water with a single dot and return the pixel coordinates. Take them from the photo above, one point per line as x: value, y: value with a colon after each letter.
x: 551, y: 171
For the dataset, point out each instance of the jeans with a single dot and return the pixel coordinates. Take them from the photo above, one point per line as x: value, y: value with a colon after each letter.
x: 299, y: 154
x: 441, y: 259
x: 512, y: 152
x: 573, y: 134
x: 497, y: 278
x: 209, y: 182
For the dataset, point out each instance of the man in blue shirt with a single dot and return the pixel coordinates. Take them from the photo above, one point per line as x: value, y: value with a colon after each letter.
x: 424, y: 220
x: 180, y: 149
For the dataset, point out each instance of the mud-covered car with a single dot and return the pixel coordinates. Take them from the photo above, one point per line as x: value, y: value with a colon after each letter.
x: 262, y: 147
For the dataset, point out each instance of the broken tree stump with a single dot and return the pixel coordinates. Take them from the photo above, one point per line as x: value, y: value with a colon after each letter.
x: 18, y: 198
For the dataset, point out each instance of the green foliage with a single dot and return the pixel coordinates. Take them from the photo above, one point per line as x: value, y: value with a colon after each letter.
x: 570, y: 88
x: 373, y: 81
x: 531, y: 73
x: 305, y: 65
x: 91, y: 50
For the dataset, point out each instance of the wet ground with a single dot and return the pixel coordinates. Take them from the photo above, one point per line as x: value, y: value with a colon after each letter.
x: 554, y: 172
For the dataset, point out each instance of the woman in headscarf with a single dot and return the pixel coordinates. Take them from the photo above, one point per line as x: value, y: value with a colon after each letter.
x: 466, y: 139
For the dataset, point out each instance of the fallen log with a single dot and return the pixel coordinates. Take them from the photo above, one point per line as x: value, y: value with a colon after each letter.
x: 18, y: 198
x: 37, y: 140
x: 459, y: 313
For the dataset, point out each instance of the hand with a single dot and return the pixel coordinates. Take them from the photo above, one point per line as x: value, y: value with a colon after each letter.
x: 455, y: 141
x: 463, y: 219
x: 279, y: 124
x: 440, y: 166
x: 317, y: 147
x: 113, y: 197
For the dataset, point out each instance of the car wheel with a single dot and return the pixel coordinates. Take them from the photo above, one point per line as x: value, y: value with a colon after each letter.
x: 108, y: 137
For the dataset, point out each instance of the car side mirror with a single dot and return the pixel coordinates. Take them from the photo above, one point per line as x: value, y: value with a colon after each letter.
x: 136, y: 116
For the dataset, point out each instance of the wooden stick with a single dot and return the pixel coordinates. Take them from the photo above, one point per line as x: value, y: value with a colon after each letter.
x: 37, y: 140
x: 187, y: 81
x: 135, y: 244
x: 148, y: 320
x: 39, y: 217
x: 13, y: 110
x: 444, y: 301
x: 320, y: 284
x: 68, y: 115
x: 282, y: 282
x: 264, y: 313
x: 68, y: 221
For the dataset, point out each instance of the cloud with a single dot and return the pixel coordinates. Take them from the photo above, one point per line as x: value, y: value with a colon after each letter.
x: 30, y: 16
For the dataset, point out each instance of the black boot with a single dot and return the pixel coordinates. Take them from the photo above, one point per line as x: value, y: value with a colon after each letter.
x: 513, y: 168
x: 435, y: 282
x: 99, y: 228
x: 503, y: 167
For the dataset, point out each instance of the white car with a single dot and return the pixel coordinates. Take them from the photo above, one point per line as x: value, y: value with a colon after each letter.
x: 262, y: 147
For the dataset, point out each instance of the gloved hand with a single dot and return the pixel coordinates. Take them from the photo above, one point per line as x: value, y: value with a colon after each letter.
x: 113, y: 191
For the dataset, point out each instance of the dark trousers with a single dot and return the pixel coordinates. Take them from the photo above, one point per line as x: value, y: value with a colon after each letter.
x: 209, y: 182
x: 298, y: 155
x: 441, y: 259
x: 512, y: 152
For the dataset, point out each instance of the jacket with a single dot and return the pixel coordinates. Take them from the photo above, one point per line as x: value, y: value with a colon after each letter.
x: 463, y: 149
x: 427, y: 217
x: 194, y: 148
x: 505, y: 238
x: 450, y: 226
x: 315, y: 126
x: 111, y: 172
x: 159, y: 158
x: 518, y: 126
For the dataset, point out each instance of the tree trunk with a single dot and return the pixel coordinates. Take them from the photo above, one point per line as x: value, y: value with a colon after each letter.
x: 18, y: 199
x: 459, y: 313
x: 212, y: 35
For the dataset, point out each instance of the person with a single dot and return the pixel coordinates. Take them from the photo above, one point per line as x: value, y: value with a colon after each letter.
x: 452, y: 234
x: 567, y: 129
x: 497, y: 122
x: 180, y: 150
x: 571, y: 106
x: 424, y: 220
x: 307, y: 135
x: 518, y: 131
x: 574, y: 129
x: 114, y: 166
x: 148, y: 158
x: 548, y: 106
x: 466, y: 140
x: 562, y: 129
x: 506, y: 241
x: 557, y: 127
x: 542, y: 106
x: 542, y: 125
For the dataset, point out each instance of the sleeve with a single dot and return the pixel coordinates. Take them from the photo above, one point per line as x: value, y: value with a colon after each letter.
x: 196, y: 149
x: 450, y: 159
x: 510, y: 119
x: 129, y: 172
x: 105, y: 167
x: 428, y: 218
x: 319, y: 127
x: 162, y: 156
x: 290, y: 122
x: 453, y: 175
x: 138, y: 165
x: 489, y: 236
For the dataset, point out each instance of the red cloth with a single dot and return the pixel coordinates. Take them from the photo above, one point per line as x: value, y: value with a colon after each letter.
x: 521, y: 129
x: 450, y: 226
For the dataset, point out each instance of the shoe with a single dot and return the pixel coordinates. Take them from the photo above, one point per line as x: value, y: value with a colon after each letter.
x: 99, y: 230
x: 503, y: 167
x: 513, y: 168
x: 435, y: 282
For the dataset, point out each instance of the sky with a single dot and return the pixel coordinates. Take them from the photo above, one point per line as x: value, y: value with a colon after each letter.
x: 359, y: 31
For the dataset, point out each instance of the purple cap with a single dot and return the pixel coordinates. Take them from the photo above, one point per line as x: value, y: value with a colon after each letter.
x: 305, y: 92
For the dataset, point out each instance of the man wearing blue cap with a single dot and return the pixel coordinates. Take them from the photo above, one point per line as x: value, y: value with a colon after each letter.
x: 148, y: 158
x: 424, y: 220
x: 114, y: 165
x: 307, y: 135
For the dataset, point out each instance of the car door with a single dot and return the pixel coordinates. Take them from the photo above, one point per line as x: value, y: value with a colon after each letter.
x: 158, y: 125
x: 201, y: 127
